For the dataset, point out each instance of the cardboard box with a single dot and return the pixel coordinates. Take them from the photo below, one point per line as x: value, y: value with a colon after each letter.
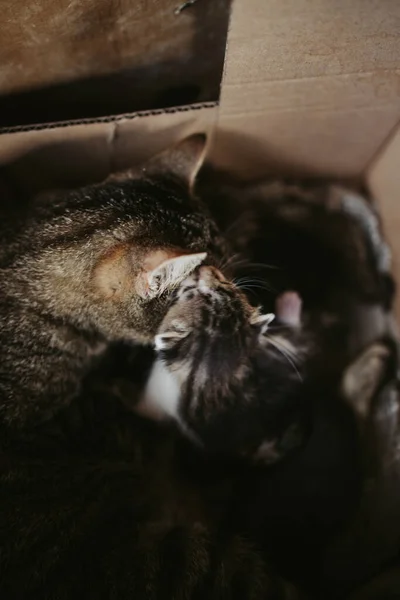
x: 310, y: 87
x: 77, y: 59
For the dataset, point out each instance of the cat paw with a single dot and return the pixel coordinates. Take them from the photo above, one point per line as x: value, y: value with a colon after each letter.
x: 288, y: 308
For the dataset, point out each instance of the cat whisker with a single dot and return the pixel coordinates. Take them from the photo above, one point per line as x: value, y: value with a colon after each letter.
x: 237, y: 261
x: 286, y: 353
x: 249, y: 278
x: 245, y: 289
x: 258, y: 287
x: 290, y: 352
x: 228, y: 262
x: 253, y: 283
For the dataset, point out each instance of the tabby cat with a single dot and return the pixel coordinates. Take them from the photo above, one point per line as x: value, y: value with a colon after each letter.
x: 87, y: 267
x: 107, y: 505
x: 232, y: 387
x: 333, y: 512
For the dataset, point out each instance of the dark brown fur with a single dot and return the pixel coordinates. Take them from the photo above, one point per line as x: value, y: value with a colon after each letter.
x: 104, y: 505
x: 326, y: 242
x: 76, y: 271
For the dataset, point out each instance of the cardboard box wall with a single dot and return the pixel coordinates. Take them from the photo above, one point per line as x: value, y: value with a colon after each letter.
x: 310, y: 87
x: 75, y: 59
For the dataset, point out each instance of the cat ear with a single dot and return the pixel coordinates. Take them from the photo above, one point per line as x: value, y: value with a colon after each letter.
x: 183, y: 160
x: 163, y: 341
x: 262, y: 321
x: 170, y: 273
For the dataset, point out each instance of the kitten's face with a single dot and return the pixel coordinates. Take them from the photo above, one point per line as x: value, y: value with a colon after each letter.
x: 235, y: 392
x: 210, y: 322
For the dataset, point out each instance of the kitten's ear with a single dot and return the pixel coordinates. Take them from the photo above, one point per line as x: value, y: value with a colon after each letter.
x: 170, y: 273
x: 183, y: 160
x: 262, y: 321
x: 163, y: 341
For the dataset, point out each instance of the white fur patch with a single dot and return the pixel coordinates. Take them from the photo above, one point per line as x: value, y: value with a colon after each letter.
x: 161, y: 396
x: 267, y: 453
x: 161, y: 399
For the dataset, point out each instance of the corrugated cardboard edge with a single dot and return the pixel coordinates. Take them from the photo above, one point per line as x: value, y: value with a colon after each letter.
x: 110, y: 118
x: 74, y: 153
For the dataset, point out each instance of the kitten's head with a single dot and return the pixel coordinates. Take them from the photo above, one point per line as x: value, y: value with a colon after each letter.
x: 211, y: 322
x: 238, y: 392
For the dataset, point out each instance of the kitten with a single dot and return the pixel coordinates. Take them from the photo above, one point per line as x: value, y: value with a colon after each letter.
x: 371, y: 539
x: 231, y: 386
x: 86, y: 267
x: 326, y: 242
x: 141, y: 513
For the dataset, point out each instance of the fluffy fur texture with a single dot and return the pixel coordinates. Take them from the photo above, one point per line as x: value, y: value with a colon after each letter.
x: 84, y: 268
x: 226, y: 375
x: 102, y: 504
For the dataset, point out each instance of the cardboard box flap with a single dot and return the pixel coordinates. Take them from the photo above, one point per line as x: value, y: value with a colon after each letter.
x: 310, y: 86
x: 75, y: 154
x: 72, y: 59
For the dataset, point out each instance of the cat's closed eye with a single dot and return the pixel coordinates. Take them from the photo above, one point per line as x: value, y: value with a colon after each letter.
x: 179, y: 327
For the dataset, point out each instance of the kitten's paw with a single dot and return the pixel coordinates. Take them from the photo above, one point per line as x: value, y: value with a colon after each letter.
x: 126, y: 392
x: 288, y: 308
x: 271, y: 451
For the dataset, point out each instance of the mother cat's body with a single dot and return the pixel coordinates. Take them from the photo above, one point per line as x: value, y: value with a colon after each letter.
x: 97, y: 504
x: 107, y: 507
x: 82, y: 268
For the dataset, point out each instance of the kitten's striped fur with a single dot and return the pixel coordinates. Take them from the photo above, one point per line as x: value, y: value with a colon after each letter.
x: 230, y: 385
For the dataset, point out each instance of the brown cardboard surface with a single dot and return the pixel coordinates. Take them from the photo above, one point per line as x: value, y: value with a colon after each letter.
x: 310, y: 85
x: 76, y: 154
x: 383, y: 178
x: 74, y: 59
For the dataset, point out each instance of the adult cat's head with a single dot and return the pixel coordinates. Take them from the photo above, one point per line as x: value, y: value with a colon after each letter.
x: 105, y: 257
x: 237, y: 388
